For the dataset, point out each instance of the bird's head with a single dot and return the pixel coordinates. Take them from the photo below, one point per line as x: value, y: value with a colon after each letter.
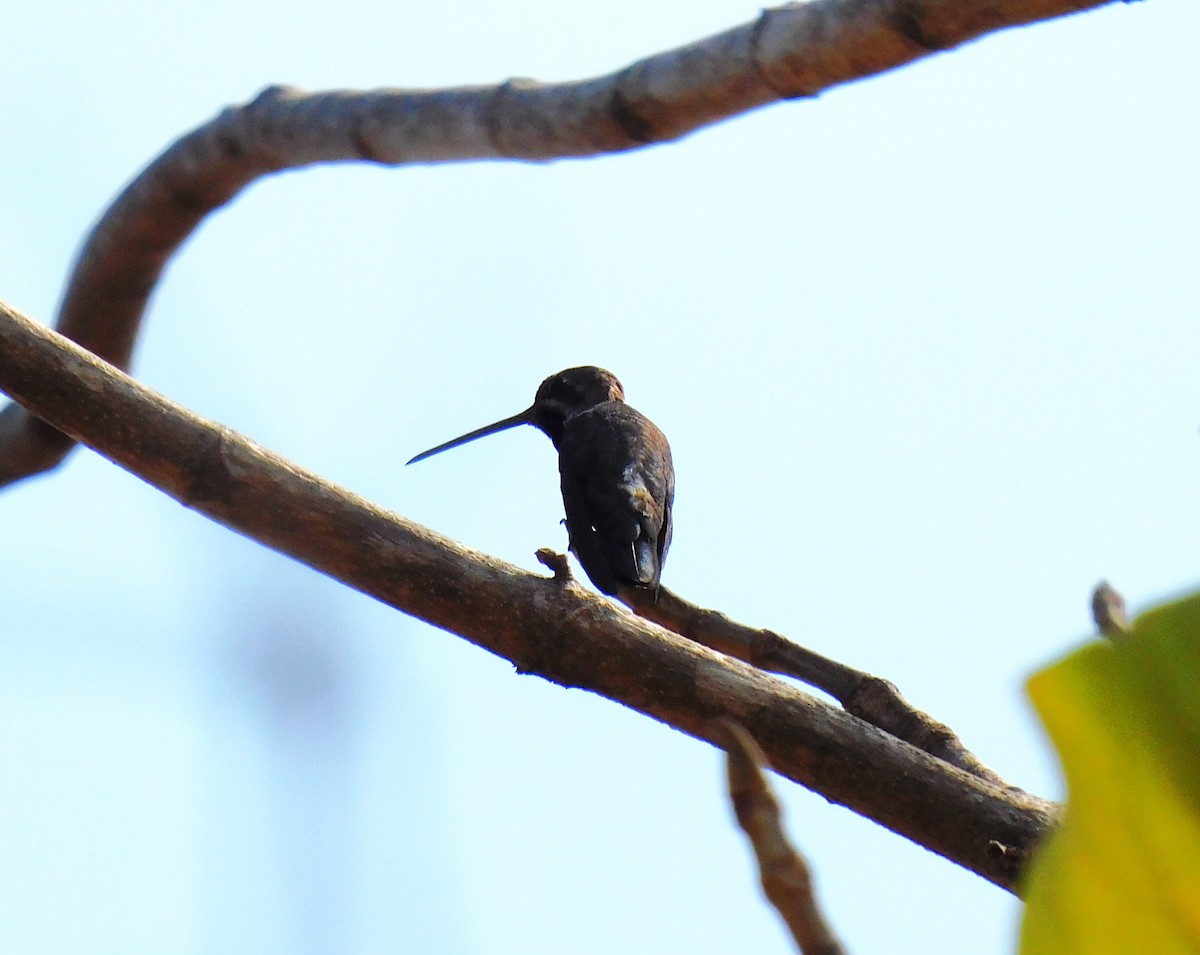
x: 558, y: 398
x: 570, y: 392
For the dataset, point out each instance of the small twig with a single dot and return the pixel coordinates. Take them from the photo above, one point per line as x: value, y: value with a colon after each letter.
x: 1108, y: 610
x: 870, y: 698
x: 555, y: 562
x: 785, y: 875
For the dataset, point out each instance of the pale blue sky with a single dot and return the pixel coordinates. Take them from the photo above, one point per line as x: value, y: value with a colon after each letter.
x: 926, y: 349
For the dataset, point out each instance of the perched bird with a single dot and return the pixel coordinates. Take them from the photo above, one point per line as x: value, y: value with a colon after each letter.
x: 618, y: 483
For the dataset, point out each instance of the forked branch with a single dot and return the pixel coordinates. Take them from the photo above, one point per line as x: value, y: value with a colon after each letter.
x: 870, y: 698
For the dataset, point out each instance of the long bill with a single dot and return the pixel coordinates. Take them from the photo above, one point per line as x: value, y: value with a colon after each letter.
x: 525, y: 417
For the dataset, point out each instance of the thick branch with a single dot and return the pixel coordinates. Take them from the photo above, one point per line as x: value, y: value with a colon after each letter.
x: 790, y: 51
x: 551, y: 628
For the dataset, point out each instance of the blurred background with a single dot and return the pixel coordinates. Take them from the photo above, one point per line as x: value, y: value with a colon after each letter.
x: 926, y: 349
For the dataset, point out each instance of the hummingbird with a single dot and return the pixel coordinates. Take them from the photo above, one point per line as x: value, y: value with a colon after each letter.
x: 618, y: 483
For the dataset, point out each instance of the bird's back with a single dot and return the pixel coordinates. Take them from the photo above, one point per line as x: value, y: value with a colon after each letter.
x: 618, y: 486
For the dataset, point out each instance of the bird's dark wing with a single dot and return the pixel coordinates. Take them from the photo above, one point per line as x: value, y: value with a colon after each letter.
x: 618, y: 485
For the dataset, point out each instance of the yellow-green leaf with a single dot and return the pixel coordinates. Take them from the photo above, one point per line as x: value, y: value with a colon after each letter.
x: 1122, y: 874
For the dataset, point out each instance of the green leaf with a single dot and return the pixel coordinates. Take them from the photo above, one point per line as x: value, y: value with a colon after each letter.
x: 1122, y: 874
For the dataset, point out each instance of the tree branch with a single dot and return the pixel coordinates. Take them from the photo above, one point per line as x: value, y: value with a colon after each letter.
x: 552, y: 628
x: 790, y: 51
x: 785, y: 875
x: 1108, y: 610
x: 870, y: 698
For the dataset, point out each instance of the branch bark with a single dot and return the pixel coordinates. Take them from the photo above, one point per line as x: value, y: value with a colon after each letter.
x: 792, y: 51
x: 548, y: 627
